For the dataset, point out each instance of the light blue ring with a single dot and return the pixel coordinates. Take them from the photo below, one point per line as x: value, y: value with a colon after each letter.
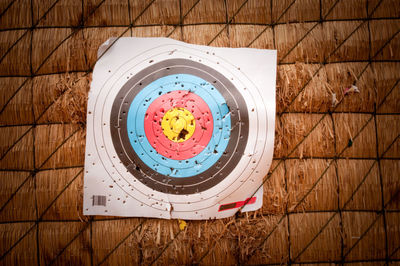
x: 221, y: 129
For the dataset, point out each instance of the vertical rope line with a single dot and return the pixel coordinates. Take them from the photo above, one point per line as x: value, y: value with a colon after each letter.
x: 34, y: 173
x: 377, y: 141
x: 129, y: 16
x: 339, y: 210
x: 378, y: 159
x: 287, y: 213
x: 91, y: 240
x: 180, y: 19
x: 227, y: 23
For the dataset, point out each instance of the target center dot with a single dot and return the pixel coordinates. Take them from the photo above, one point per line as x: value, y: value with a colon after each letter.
x: 178, y: 124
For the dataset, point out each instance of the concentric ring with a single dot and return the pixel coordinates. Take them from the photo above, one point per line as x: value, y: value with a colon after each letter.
x: 201, y: 136
x: 226, y: 156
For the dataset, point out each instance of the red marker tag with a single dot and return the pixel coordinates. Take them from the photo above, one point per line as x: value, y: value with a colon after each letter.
x: 238, y: 204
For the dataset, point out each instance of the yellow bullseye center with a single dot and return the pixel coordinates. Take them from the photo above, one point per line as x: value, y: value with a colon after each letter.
x: 178, y: 124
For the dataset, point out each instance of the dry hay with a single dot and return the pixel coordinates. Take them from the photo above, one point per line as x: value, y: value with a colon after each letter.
x: 332, y: 194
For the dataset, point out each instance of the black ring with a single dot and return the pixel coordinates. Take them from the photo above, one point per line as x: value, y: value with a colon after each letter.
x: 167, y: 184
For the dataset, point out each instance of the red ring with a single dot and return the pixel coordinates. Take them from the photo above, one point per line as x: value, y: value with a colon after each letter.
x: 201, y: 136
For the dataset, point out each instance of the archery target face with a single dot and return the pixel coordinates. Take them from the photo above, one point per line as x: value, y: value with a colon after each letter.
x: 154, y: 155
x: 177, y: 132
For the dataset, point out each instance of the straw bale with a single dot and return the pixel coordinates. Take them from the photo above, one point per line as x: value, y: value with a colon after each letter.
x: 231, y: 241
x: 275, y: 195
x: 58, y: 50
x: 321, y: 42
x: 241, y: 35
x: 159, y: 12
x: 8, y: 86
x: 393, y: 233
x: 353, y: 46
x: 59, y: 145
x: 9, y: 135
x: 351, y: 174
x: 279, y: 147
x: 21, y: 206
x: 263, y: 41
x: 107, y: 13
x: 304, y: 227
x: 316, y: 96
x: 297, y: 127
x: 61, y: 97
x: 53, y: 197
x: 204, y: 34
x: 94, y: 37
x: 55, y: 236
x: 347, y: 127
x: 56, y: 185
x: 275, y: 248
x: 272, y: 251
x: 390, y: 170
x: 63, y: 13
x: 341, y: 9
x: 153, y: 237
x: 302, y: 176
x: 388, y: 127
x: 253, y: 11
x: 24, y: 253
x: 108, y: 234
x: 388, y: 8
x: 380, y: 262
x: 16, y: 61
x: 290, y: 80
x: 22, y: 149
x: 17, y: 16
x: 300, y: 10
x: 4, y: 4
x: 19, y: 109
x: 158, y: 31
x: 381, y: 32
x: 179, y: 251
x: 372, y: 244
x: 343, y: 76
x: 288, y: 35
x: 205, y: 11
x: 385, y: 78
x: 209, y: 242
x: 8, y: 38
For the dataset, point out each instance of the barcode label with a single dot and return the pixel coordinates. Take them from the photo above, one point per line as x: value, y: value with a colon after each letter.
x: 99, y: 200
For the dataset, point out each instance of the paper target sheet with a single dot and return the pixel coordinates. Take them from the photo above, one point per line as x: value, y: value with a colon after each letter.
x: 176, y: 130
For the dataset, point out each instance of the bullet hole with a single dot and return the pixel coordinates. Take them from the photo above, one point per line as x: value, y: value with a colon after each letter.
x: 182, y: 134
